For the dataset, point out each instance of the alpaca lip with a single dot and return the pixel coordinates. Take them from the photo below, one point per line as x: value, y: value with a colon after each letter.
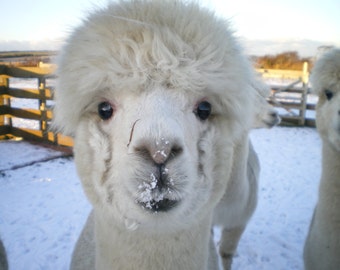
x: 156, y: 198
x: 272, y: 123
x: 159, y: 206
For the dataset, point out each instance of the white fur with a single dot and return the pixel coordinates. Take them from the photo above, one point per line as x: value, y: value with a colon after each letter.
x: 154, y: 62
x: 322, y: 247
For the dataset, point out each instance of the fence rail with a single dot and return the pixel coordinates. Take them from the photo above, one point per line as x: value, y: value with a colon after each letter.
x: 291, y: 98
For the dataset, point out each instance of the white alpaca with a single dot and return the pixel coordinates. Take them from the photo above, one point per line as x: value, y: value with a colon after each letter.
x: 322, y: 247
x: 244, y: 162
x: 157, y: 95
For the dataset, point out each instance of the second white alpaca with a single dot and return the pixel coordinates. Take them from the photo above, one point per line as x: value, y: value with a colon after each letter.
x: 322, y: 247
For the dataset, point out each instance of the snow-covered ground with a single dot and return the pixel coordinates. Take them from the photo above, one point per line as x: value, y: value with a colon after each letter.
x: 43, y: 208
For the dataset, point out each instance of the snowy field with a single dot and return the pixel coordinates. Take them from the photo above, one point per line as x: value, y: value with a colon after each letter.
x: 43, y: 208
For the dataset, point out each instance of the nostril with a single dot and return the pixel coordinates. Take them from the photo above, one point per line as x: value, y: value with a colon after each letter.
x: 273, y: 114
x: 142, y: 152
x: 175, y: 151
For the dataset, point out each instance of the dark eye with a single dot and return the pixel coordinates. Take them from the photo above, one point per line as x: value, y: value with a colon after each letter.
x: 328, y: 94
x: 105, y: 110
x: 203, y: 110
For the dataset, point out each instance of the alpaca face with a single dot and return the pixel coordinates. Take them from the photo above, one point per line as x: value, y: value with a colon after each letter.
x: 328, y: 115
x: 265, y: 114
x: 154, y: 158
x: 155, y: 103
x: 326, y: 83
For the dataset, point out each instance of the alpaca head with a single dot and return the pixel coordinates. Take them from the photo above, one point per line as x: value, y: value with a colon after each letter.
x: 325, y: 81
x: 155, y: 94
x: 266, y: 116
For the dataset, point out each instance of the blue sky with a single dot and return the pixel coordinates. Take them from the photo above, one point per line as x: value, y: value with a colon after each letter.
x: 264, y: 26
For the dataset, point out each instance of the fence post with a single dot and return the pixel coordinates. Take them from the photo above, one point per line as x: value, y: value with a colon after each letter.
x: 2, y: 101
x: 42, y: 108
x: 4, y: 82
x: 305, y: 78
x: 305, y: 73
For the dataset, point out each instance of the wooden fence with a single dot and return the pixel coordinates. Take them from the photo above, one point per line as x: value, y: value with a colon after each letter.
x: 42, y: 114
x: 292, y: 98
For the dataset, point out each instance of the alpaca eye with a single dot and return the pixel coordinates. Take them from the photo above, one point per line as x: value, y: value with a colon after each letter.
x: 105, y: 110
x: 203, y: 110
x: 328, y: 94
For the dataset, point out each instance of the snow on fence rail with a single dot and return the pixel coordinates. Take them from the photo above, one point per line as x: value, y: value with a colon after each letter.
x: 291, y: 98
x: 43, y: 112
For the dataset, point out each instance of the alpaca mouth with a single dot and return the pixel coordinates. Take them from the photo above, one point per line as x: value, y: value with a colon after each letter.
x: 156, y: 199
x: 159, y: 206
x: 274, y: 120
x: 159, y: 194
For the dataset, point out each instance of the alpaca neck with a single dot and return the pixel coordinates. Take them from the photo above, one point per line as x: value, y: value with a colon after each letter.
x: 330, y: 167
x: 329, y: 193
x: 118, y: 248
x: 242, y: 187
x: 239, y: 168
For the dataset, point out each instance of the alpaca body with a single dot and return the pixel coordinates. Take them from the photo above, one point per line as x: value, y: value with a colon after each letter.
x: 322, y: 247
x: 239, y: 200
x: 185, y: 249
x: 159, y: 99
x: 323, y: 243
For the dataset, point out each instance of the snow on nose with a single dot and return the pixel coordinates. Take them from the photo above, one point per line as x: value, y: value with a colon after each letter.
x: 161, y: 151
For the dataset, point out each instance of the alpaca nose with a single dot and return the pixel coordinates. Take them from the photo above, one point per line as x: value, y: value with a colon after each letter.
x: 160, y: 151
